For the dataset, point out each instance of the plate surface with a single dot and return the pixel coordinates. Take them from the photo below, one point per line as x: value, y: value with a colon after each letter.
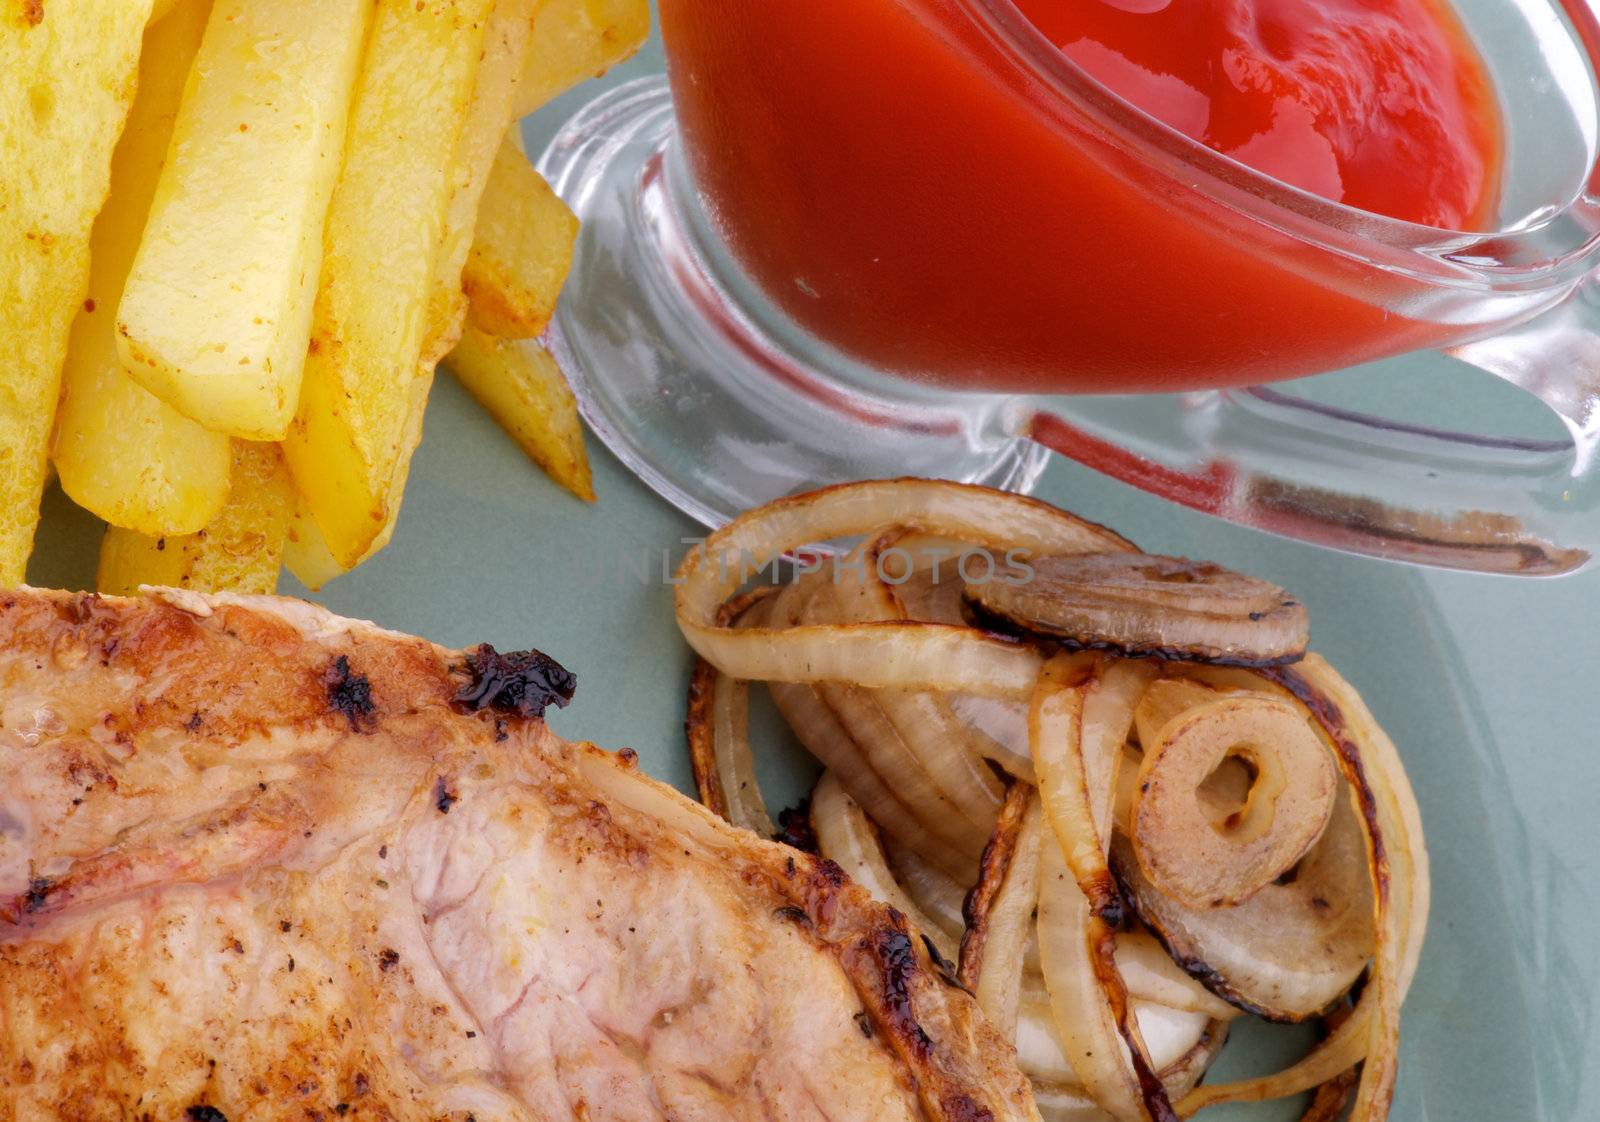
x: 1488, y: 686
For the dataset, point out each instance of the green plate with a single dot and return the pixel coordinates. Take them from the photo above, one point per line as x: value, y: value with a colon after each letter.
x: 1488, y: 686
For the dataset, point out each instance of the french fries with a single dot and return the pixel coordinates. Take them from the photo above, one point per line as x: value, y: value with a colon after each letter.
x: 523, y: 390
x: 237, y: 283
x: 578, y: 39
x: 217, y: 309
x: 121, y: 452
x: 385, y: 231
x: 66, y: 82
x: 238, y: 551
x: 521, y: 252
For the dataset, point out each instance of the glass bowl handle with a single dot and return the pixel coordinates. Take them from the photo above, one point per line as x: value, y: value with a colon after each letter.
x: 1367, y: 485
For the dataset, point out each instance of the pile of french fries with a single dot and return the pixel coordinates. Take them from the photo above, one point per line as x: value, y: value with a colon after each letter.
x: 236, y: 239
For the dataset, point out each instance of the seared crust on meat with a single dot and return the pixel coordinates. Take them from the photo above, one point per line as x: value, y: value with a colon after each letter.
x: 259, y: 862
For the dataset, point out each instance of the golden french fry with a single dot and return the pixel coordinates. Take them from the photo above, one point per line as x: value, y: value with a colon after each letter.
x: 384, y: 237
x: 121, y: 452
x: 66, y: 82
x: 521, y: 251
x: 523, y: 389
x: 238, y: 551
x: 305, y: 554
x: 160, y: 8
x: 488, y: 116
x: 578, y: 39
x: 217, y: 309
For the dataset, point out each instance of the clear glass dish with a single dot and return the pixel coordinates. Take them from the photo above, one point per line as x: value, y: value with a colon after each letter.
x: 723, y: 387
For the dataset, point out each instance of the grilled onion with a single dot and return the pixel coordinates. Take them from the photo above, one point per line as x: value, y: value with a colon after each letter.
x: 900, y: 653
x: 1137, y: 604
x: 1067, y: 1102
x: 718, y: 730
x: 1399, y: 861
x: 847, y: 837
x: 1000, y: 911
x: 717, y: 726
x: 1249, y: 810
x: 1291, y: 949
x: 1181, y: 850
x: 1172, y: 1034
x: 1079, y: 904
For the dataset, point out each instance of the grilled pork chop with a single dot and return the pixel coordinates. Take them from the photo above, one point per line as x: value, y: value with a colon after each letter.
x: 259, y: 862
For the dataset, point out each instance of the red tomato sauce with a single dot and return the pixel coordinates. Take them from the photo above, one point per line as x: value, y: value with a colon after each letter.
x: 905, y: 186
x: 1382, y: 105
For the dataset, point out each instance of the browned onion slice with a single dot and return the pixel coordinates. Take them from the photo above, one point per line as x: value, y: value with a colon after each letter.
x: 1151, y: 975
x: 1328, y: 1101
x: 1171, y: 1035
x: 930, y: 888
x: 819, y: 730
x: 909, y: 736
x: 1181, y: 850
x: 1225, y: 793
x: 1010, y: 927
x: 1289, y: 950
x: 1069, y: 1102
x: 846, y: 837
x: 903, y: 653
x: 866, y: 752
x: 717, y: 726
x: 702, y: 744
x: 1399, y: 864
x: 1097, y: 1034
x: 1139, y: 604
x: 1002, y: 725
x: 999, y: 929
x: 1000, y: 910
x: 1079, y: 901
x: 862, y: 716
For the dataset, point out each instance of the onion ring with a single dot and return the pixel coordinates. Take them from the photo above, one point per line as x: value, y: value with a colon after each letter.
x: 1003, y: 726
x: 930, y: 888
x: 1288, y: 951
x: 930, y: 731
x: 1150, y: 975
x: 901, y: 653
x: 1069, y: 1102
x: 929, y: 783
x: 1401, y: 898
x: 998, y: 866
x: 819, y: 730
x: 846, y: 837
x: 1289, y: 804
x: 1173, y: 1034
x: 1140, y: 605
x: 1095, y: 1029
x: 717, y: 727
x: 1079, y: 902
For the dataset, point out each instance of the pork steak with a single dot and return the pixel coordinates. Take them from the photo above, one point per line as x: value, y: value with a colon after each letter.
x: 258, y: 862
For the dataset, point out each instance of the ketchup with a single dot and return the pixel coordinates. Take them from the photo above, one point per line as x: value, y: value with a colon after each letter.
x: 1379, y: 104
x: 898, y: 180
